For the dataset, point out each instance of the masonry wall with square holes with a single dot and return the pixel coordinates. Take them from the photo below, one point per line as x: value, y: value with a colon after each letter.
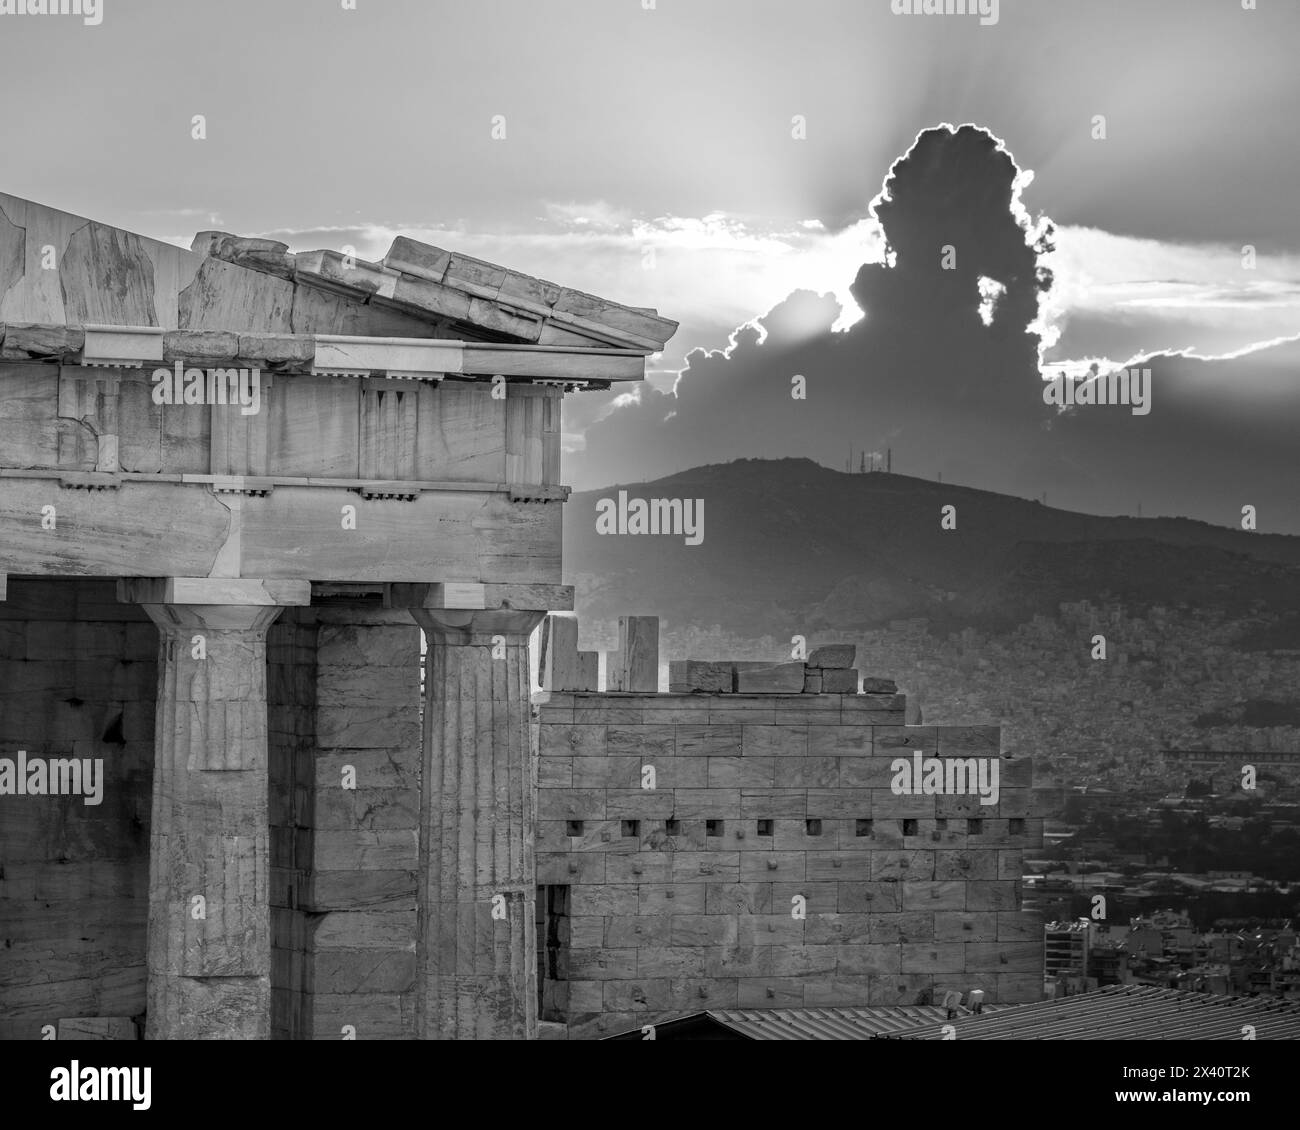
x: 665, y: 900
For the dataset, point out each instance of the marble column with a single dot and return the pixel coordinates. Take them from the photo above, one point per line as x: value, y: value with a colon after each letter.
x: 209, y: 936
x: 476, y: 975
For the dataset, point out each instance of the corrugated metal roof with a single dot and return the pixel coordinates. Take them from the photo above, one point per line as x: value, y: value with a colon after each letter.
x: 1126, y: 1012
x: 827, y: 1023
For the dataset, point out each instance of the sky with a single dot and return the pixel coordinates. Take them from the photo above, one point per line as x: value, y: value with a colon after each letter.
x: 723, y: 161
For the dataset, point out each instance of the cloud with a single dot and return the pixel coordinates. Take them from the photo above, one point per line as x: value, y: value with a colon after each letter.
x: 919, y: 372
x: 1117, y: 296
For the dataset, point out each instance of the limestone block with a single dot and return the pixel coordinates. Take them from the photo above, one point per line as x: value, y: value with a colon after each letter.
x: 779, y: 677
x: 638, y: 651
x: 777, y: 929
x: 1018, y: 926
x: 566, y: 739
x: 1005, y: 957
x: 741, y: 772
x: 966, y: 926
x: 738, y: 898
x: 588, y: 677
x: 647, y: 742
x: 769, y: 992
x: 807, y: 772
x: 783, y: 866
x: 708, y: 740
x: 934, y: 896
x: 998, y: 896
x: 709, y: 804
x: 775, y: 741
x: 840, y: 681
x: 704, y: 929
x: 877, y: 898
x: 559, y: 654
x: 770, y: 804
x: 96, y: 1028
x: 835, y: 655
x: 965, y: 864
x: 837, y: 929
x: 705, y: 867
x: 700, y: 675
x: 656, y: 898
x: 932, y: 957
x: 834, y: 866
x: 819, y: 898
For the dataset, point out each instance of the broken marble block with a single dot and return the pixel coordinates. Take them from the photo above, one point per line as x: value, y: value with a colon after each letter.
x: 588, y: 671
x: 685, y: 675
x: 879, y: 686
x: 559, y: 654
x: 833, y: 656
x: 638, y: 652
x: 779, y: 678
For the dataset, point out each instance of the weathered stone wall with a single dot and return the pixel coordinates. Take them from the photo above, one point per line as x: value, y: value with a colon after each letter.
x: 78, y: 678
x: 361, y: 897
x: 666, y: 913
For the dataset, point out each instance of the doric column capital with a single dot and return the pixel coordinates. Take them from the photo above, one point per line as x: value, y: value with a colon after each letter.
x: 180, y: 605
x: 460, y: 627
x: 181, y: 619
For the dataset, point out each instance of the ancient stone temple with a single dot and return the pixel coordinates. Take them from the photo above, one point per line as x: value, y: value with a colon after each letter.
x: 235, y: 484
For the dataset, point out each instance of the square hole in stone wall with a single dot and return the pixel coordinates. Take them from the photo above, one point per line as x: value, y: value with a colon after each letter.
x: 573, y: 827
x: 713, y: 827
x: 631, y: 827
x: 673, y: 827
x: 974, y: 827
x: 812, y: 827
x: 910, y: 827
x: 1016, y: 826
x: 862, y: 827
x: 765, y: 827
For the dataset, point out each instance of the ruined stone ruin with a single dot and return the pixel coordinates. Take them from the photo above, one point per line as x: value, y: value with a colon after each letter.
x: 748, y: 840
x: 235, y: 484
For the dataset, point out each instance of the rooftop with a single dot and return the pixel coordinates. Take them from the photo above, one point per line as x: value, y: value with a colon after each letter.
x: 1127, y: 1012
x: 799, y: 1023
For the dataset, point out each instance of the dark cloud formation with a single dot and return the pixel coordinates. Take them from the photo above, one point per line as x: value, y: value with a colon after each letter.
x: 1221, y: 434
x: 923, y: 375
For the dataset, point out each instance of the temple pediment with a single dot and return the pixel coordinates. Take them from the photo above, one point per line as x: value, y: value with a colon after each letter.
x: 61, y: 270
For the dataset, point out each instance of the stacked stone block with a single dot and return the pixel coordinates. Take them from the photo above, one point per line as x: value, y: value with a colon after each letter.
x: 827, y: 670
x: 682, y: 896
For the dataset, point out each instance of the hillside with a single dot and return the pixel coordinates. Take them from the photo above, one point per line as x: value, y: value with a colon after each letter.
x: 790, y: 546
